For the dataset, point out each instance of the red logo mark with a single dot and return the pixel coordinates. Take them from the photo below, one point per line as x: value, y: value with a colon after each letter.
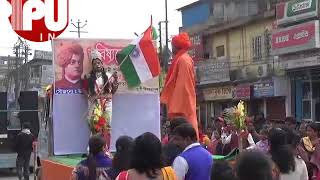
x: 39, y: 20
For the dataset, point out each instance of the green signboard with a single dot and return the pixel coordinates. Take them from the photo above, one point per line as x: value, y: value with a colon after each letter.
x: 296, y: 10
x: 300, y: 7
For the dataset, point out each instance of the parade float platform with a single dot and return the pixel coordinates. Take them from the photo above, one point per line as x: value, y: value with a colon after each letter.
x: 59, y: 167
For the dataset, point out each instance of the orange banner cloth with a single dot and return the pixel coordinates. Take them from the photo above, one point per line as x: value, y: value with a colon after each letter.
x: 179, y: 91
x: 55, y: 171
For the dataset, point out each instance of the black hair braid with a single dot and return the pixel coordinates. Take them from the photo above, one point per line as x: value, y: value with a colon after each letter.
x: 92, y: 80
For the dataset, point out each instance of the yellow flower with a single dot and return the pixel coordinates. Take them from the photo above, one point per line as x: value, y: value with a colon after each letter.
x: 97, y: 111
x: 237, y: 113
x: 95, y: 119
x: 241, y: 108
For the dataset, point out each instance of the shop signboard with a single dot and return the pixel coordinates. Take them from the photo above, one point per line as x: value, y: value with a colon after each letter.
x: 296, y: 10
x: 213, y: 72
x: 296, y: 38
x: 196, y: 52
x: 263, y: 89
x: 47, y: 74
x: 217, y: 93
x: 301, y: 63
x: 47, y: 55
x: 242, y: 92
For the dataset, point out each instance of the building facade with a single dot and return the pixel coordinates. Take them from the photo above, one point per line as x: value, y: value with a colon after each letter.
x: 235, y: 61
x: 296, y: 42
x: 34, y: 75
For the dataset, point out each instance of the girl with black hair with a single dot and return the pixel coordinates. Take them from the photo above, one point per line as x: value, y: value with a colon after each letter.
x: 96, y: 164
x: 146, y: 161
x: 222, y: 171
x: 253, y: 166
x: 122, y: 158
x: 289, y: 166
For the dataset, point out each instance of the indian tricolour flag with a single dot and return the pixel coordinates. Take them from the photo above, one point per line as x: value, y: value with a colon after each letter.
x: 139, y: 61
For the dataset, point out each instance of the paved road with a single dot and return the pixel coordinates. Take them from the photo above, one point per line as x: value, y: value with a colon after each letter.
x: 6, y: 174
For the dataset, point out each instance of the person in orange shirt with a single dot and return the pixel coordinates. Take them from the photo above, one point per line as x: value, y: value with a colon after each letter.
x: 179, y: 91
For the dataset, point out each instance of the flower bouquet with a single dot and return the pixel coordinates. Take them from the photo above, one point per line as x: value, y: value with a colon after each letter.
x: 236, y: 116
x: 99, y: 120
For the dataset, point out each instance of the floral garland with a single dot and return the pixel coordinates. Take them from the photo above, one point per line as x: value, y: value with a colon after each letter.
x: 99, y: 119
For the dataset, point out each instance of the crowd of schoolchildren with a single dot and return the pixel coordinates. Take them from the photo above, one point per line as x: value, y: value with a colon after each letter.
x: 269, y: 151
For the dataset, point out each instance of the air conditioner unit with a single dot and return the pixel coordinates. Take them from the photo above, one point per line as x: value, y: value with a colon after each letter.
x: 255, y: 71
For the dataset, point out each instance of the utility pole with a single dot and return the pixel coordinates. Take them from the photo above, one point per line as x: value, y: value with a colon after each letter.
x: 160, y: 43
x: 78, y: 26
x: 21, y: 50
x: 26, y: 52
x: 17, y: 50
x: 163, y: 48
x: 167, y: 39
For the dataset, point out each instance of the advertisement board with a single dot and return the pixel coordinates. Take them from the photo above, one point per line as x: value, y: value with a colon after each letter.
x: 213, y: 72
x: 296, y: 10
x: 296, y: 38
x: 217, y: 93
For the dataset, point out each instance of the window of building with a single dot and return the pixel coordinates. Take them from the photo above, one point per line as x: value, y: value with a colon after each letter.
x: 267, y: 43
x: 257, y: 48
x: 35, y: 72
x: 220, y: 51
x: 211, y: 8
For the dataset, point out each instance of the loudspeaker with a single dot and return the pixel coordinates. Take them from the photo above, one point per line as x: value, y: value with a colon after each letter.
x: 3, y: 115
x: 28, y: 100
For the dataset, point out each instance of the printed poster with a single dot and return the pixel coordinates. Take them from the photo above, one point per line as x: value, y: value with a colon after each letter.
x: 70, y: 106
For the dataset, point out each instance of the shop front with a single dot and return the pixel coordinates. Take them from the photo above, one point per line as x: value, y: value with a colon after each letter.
x: 216, y: 100
x: 303, y: 69
x: 298, y: 49
x: 269, y: 98
x: 213, y: 92
x: 305, y: 85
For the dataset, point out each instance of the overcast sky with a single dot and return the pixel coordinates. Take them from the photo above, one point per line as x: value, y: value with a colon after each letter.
x: 106, y: 19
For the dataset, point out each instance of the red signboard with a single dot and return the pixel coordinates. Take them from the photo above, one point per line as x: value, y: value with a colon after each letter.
x: 296, y: 38
x: 196, y: 51
x: 280, y: 10
x: 242, y: 92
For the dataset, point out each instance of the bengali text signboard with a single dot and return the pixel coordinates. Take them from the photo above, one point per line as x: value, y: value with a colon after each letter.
x: 296, y: 38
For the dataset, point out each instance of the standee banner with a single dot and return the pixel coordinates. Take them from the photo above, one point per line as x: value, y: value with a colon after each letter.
x: 72, y: 62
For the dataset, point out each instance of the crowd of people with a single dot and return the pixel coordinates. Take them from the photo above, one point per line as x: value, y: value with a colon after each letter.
x: 292, y: 149
x: 278, y: 152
